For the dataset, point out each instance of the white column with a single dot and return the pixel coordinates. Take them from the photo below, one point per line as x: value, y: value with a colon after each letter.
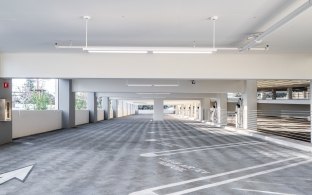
x: 250, y: 105
x: 222, y: 109
x: 200, y: 111
x: 106, y: 107
x: 66, y: 103
x: 289, y: 93
x: 310, y: 111
x: 206, y: 109
x: 158, y: 110
x: 92, y: 107
x: 115, y: 108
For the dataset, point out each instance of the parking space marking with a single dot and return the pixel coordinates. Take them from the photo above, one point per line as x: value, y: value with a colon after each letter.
x: 170, y: 145
x: 187, y: 137
x: 196, y: 149
x: 276, y: 184
x: 239, y: 178
x: 260, y: 191
x: 150, y: 191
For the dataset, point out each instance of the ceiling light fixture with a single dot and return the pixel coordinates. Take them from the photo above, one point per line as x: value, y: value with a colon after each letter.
x: 150, y: 50
x: 153, y: 93
x: 166, y: 85
x: 139, y: 85
x: 118, y: 51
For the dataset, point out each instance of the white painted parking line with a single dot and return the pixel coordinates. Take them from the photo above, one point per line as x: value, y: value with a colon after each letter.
x: 260, y: 191
x: 169, y: 144
x: 150, y: 191
x: 239, y: 178
x: 187, y: 137
x: 196, y: 149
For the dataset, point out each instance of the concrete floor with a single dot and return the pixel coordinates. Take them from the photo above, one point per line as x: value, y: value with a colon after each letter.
x: 137, y: 156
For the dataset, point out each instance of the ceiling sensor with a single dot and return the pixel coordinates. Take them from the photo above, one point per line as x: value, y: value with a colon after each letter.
x: 214, y: 18
x: 86, y: 17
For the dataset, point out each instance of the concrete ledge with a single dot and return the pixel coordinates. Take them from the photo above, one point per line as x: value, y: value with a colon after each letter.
x: 304, y: 146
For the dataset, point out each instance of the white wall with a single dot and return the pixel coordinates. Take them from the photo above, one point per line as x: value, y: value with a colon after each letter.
x: 33, y: 122
x: 100, y: 115
x: 260, y: 65
x: 145, y: 111
x: 81, y: 117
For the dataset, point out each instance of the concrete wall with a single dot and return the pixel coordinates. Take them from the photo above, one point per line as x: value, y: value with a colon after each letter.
x: 100, y: 115
x: 34, y: 122
x: 217, y: 66
x: 285, y: 110
x: 6, y: 126
x: 81, y: 117
x: 152, y: 111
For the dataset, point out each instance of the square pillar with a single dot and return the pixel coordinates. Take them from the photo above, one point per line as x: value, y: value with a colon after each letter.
x: 200, y: 111
x: 106, y: 107
x: 289, y: 93
x: 92, y: 107
x: 158, y: 110
x: 115, y: 108
x: 222, y: 109
x: 249, y: 102
x: 6, y: 111
x: 206, y: 109
x: 66, y: 103
x: 310, y: 112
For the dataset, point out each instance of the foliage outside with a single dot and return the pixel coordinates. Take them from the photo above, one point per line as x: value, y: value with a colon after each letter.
x: 81, y: 101
x: 33, y: 97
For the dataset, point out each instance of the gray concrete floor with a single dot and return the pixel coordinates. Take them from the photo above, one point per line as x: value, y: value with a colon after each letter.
x: 136, y: 155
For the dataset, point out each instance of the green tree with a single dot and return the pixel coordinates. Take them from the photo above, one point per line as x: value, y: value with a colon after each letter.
x: 81, y: 101
x: 41, y: 100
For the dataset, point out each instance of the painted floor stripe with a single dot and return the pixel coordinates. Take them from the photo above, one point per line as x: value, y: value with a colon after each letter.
x: 210, y: 146
x: 168, y: 153
x: 238, y: 178
x: 145, y: 192
x: 260, y: 191
x: 187, y: 137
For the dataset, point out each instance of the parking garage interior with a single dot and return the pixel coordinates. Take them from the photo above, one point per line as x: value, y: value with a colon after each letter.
x: 155, y: 98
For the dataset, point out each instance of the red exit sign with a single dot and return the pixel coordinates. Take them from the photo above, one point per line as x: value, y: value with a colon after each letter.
x: 6, y: 85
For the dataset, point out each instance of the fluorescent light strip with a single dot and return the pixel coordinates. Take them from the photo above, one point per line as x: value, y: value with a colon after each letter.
x: 117, y: 51
x: 139, y: 85
x: 152, y: 85
x: 153, y: 93
x: 182, y: 52
x: 146, y: 50
x: 166, y: 85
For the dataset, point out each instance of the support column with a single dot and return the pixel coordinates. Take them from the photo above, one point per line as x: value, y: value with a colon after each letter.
x: 200, y: 111
x: 106, y: 107
x: 250, y: 105
x: 289, y: 93
x: 222, y: 109
x: 310, y: 112
x: 66, y: 101
x: 263, y: 96
x: 273, y: 94
x: 206, y: 109
x: 6, y: 111
x: 92, y: 107
x: 191, y: 110
x: 122, y: 109
x: 158, y: 110
x: 115, y: 108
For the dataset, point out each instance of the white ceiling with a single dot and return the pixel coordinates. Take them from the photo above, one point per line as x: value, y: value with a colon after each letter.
x: 35, y: 25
